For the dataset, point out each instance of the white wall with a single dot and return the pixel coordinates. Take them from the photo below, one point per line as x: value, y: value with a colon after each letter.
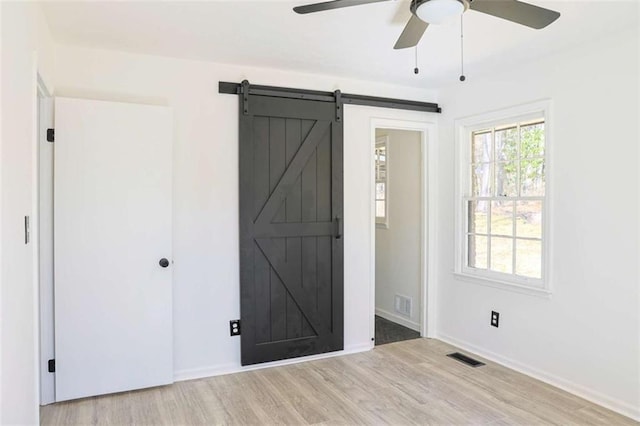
x: 25, y: 41
x: 206, y: 281
x: 584, y: 338
x: 398, y: 247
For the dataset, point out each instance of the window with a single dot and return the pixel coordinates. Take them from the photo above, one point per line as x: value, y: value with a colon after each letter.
x: 503, y: 200
x: 381, y: 174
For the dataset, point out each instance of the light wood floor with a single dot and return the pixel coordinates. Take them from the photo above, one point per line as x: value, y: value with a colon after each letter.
x: 410, y: 382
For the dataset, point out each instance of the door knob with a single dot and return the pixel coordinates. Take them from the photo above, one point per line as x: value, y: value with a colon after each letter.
x: 164, y: 262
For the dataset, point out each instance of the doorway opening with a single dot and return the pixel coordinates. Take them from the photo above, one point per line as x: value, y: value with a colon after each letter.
x: 399, y: 225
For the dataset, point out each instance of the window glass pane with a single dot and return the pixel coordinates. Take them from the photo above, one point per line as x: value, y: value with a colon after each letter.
x: 506, y: 179
x: 502, y: 218
x: 477, y: 219
x: 529, y: 219
x: 382, y: 172
x: 532, y: 140
x: 481, y: 148
x: 381, y: 162
x: 502, y: 254
x: 532, y: 180
x: 380, y: 192
x: 529, y: 258
x: 382, y: 152
x: 507, y: 144
x: 380, y: 209
x: 481, y: 180
x: 477, y: 251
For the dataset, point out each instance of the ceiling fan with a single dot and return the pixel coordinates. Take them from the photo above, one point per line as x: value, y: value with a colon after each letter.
x: 425, y: 12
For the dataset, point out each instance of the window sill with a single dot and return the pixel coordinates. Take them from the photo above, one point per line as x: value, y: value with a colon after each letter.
x: 504, y: 285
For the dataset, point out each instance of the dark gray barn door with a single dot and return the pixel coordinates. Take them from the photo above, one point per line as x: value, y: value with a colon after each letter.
x: 291, y: 250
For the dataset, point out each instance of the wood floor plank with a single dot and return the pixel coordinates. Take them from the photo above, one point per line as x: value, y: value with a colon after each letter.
x: 305, y: 406
x: 403, y: 383
x: 596, y: 415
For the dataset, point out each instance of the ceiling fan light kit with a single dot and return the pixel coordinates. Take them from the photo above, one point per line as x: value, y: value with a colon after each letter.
x: 438, y: 11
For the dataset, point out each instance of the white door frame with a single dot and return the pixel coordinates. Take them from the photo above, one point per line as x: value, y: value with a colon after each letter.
x: 428, y: 173
x: 43, y: 112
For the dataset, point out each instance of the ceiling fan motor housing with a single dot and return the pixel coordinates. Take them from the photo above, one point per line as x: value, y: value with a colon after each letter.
x: 416, y: 4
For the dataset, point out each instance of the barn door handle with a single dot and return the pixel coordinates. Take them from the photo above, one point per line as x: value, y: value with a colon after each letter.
x: 339, y: 230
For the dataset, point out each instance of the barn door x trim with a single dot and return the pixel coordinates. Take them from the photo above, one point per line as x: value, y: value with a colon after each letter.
x: 265, y: 230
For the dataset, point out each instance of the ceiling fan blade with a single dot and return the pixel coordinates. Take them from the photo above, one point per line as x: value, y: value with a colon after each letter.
x: 412, y: 33
x: 516, y: 11
x: 329, y: 5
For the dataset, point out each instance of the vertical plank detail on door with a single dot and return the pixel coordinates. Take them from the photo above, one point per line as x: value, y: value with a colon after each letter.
x: 287, y: 198
x: 261, y: 193
x: 293, y: 215
x: 309, y: 213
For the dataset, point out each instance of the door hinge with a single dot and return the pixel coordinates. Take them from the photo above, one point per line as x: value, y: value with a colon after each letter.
x: 245, y: 96
x: 51, y: 135
x: 52, y: 366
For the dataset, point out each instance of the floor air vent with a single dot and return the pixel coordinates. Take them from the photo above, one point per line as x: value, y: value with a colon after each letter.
x: 465, y: 359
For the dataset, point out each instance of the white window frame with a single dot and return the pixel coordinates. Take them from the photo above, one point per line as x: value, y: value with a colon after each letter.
x: 383, y: 222
x: 464, y: 128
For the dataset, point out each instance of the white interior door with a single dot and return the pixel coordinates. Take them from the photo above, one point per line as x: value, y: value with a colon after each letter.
x: 112, y: 227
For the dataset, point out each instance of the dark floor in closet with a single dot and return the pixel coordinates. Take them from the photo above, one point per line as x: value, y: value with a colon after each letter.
x: 389, y: 332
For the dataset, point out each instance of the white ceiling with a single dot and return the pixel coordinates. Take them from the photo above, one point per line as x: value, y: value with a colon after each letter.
x: 353, y: 42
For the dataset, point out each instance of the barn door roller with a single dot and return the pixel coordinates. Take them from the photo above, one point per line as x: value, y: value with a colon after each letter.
x: 338, y: 95
x: 245, y: 96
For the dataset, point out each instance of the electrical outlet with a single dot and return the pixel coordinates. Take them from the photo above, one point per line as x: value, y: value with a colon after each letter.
x: 495, y: 318
x: 234, y: 327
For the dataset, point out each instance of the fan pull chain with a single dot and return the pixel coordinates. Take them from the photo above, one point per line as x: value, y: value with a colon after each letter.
x: 416, y: 70
x: 462, y: 77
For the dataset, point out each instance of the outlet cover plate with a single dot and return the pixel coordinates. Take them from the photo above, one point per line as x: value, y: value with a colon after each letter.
x: 234, y: 327
x: 495, y: 318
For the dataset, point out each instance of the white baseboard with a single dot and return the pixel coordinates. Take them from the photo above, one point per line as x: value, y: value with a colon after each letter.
x: 398, y: 319
x: 220, y: 370
x: 591, y: 395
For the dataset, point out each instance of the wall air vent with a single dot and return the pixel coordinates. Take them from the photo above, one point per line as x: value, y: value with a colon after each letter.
x: 403, y: 305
